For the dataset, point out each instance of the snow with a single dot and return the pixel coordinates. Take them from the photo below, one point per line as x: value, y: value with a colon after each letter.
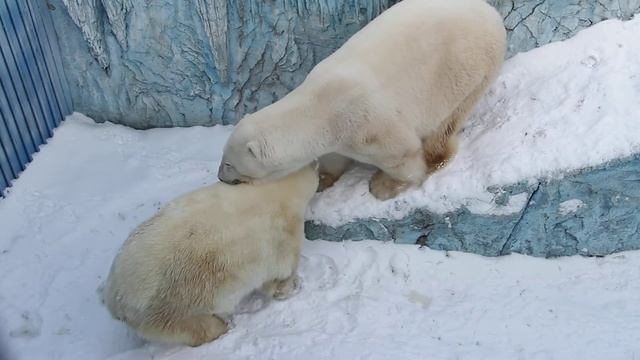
x: 64, y: 219
x: 561, y: 107
x: 570, y: 206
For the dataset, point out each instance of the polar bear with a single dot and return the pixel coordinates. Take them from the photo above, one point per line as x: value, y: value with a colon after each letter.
x: 182, y: 271
x: 394, y: 96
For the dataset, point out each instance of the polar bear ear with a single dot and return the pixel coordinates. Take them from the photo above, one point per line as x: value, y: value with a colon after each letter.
x: 254, y: 149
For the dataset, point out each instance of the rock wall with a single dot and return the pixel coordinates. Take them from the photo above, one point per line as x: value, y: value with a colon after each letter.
x: 204, y: 62
x: 593, y: 212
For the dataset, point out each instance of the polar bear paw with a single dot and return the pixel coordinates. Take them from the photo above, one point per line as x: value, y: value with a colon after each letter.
x: 282, y: 289
x: 384, y: 187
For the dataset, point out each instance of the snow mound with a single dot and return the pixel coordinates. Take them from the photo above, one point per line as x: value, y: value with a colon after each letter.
x: 561, y: 107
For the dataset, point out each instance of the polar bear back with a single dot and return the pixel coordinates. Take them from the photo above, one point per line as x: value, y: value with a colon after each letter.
x: 208, y: 248
x: 420, y: 58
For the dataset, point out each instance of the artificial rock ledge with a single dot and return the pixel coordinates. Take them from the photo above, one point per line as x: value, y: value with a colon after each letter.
x: 592, y: 212
x: 181, y: 63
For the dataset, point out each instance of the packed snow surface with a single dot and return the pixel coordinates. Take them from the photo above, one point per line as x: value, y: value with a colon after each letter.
x: 65, y: 218
x: 570, y: 105
x: 561, y: 107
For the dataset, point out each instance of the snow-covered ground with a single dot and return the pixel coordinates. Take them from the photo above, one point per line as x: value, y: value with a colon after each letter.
x: 64, y: 219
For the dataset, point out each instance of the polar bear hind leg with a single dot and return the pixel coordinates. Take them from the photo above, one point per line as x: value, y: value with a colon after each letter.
x: 440, y: 147
x: 401, y: 165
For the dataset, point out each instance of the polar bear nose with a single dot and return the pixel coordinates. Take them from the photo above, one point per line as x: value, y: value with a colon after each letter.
x: 227, y: 175
x: 230, y: 182
x: 225, y: 180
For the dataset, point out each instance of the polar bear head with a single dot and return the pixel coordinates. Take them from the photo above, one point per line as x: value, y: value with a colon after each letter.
x: 250, y: 154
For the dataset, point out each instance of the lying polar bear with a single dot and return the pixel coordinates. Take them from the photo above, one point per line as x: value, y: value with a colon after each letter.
x: 183, y: 270
x: 394, y: 96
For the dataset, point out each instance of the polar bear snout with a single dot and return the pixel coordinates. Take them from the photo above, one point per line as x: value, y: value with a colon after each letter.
x: 228, y: 175
x: 231, y: 182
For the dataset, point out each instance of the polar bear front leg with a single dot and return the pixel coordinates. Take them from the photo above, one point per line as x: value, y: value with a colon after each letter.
x: 398, y: 173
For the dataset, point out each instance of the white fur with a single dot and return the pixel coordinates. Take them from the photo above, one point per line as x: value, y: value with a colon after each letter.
x: 393, y: 95
x: 183, y: 270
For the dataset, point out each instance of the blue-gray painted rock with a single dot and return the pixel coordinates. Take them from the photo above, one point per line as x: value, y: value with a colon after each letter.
x: 180, y: 63
x: 593, y: 212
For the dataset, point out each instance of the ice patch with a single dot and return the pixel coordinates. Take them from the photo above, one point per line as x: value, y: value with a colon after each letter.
x: 570, y: 206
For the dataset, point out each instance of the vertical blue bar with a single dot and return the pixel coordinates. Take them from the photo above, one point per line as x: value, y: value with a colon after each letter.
x: 45, y: 21
x: 49, y: 96
x: 48, y: 60
x: 28, y: 67
x: 16, y: 111
x: 16, y: 155
x: 19, y: 97
x: 34, y: 96
x: 8, y: 165
x: 4, y: 177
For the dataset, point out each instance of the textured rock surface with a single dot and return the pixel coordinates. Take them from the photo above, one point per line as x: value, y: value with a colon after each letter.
x: 593, y: 212
x: 204, y: 62
x: 86, y: 15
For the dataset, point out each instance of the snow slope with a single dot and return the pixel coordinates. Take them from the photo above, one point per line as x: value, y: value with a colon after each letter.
x: 560, y: 107
x: 64, y: 219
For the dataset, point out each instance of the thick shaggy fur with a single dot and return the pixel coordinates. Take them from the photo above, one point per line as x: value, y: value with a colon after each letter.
x: 183, y: 270
x: 394, y: 96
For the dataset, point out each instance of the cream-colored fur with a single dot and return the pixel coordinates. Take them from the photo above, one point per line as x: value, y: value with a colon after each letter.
x: 394, y: 96
x: 180, y: 272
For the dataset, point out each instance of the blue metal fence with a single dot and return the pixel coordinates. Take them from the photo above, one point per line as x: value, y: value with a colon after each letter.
x: 34, y: 95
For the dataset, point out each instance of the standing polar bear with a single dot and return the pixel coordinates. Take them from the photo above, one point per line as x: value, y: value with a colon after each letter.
x: 394, y: 96
x: 180, y: 272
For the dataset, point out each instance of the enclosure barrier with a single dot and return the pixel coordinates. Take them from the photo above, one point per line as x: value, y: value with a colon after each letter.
x: 34, y: 96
